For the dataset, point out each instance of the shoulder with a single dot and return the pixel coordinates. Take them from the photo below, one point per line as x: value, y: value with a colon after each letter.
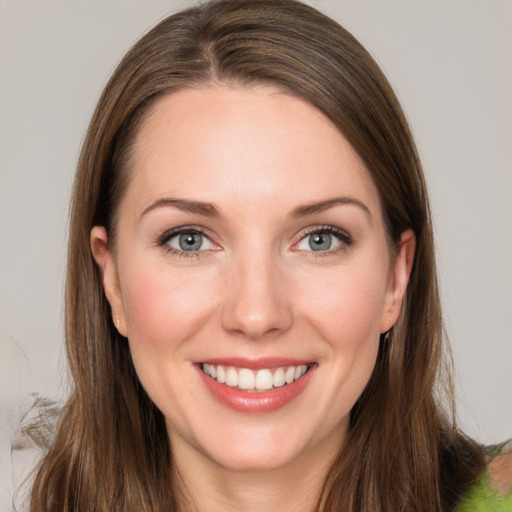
x: 493, y: 490
x: 500, y: 468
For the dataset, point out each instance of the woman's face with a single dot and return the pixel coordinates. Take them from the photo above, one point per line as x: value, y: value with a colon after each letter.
x: 251, y: 249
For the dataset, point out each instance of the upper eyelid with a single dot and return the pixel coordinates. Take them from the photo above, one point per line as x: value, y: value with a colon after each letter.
x: 345, y: 238
x: 336, y: 231
x: 316, y: 229
x: 170, y: 233
x: 324, y: 227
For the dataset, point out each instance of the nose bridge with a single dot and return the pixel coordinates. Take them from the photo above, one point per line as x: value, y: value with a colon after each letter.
x: 257, y: 301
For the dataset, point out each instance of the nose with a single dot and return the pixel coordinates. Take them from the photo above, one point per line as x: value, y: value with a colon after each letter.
x: 257, y: 301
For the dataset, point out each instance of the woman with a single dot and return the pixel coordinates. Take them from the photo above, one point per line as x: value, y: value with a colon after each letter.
x: 252, y: 316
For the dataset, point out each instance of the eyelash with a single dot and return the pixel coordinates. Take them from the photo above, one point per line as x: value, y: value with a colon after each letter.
x: 162, y: 241
x: 344, y: 238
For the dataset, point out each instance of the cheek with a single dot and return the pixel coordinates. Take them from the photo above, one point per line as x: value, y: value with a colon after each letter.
x: 348, y: 304
x: 164, y: 306
x: 164, y: 311
x: 346, y: 313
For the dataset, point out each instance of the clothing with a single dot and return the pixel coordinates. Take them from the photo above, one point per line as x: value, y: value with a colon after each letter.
x: 484, y: 496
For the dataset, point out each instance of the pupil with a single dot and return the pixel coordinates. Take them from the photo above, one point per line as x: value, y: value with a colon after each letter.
x: 320, y: 242
x: 190, y: 242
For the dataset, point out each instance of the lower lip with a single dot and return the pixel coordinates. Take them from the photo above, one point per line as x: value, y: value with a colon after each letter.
x: 256, y: 401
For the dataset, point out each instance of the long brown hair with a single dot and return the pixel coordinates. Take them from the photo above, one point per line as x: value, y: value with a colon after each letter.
x: 111, y: 450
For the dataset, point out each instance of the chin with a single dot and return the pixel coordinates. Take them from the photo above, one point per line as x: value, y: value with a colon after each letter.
x: 254, y: 459
x: 255, y: 447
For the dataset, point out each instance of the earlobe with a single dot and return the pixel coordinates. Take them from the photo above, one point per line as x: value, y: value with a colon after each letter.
x: 398, y: 280
x: 106, y: 263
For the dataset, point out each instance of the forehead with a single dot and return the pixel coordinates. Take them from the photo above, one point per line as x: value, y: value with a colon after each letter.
x: 243, y: 146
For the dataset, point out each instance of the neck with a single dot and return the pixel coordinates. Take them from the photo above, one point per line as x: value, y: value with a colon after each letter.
x: 206, y: 486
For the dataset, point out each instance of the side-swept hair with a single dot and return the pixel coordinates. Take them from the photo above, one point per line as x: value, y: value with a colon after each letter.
x: 111, y: 450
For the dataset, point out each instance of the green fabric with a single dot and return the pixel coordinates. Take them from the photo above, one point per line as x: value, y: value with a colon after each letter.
x: 483, y: 497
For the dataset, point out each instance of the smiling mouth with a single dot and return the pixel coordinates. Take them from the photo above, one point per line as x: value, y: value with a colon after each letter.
x: 246, y: 379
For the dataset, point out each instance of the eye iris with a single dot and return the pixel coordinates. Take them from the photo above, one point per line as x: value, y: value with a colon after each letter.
x: 320, y: 241
x: 190, y: 241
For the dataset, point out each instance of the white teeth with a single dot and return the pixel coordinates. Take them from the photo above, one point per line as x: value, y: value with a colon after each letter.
x: 279, y: 379
x: 251, y: 380
x: 245, y: 379
x: 264, y: 380
x: 232, y: 377
x: 221, y: 375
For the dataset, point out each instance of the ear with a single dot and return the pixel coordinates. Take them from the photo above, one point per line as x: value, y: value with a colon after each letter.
x: 399, y: 273
x: 106, y: 263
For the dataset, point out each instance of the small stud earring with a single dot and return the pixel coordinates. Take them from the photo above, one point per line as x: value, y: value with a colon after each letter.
x: 116, y: 322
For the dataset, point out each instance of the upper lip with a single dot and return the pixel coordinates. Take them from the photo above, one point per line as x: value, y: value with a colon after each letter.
x: 256, y: 363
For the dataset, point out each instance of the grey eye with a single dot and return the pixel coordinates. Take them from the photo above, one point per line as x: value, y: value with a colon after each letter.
x: 319, y: 241
x: 190, y: 242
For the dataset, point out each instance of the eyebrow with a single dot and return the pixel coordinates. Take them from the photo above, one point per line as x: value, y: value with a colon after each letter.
x: 186, y: 205
x: 210, y: 210
x: 320, y: 206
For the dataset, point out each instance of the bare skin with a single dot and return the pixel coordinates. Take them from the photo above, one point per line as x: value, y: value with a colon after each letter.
x: 500, y: 470
x: 287, y: 260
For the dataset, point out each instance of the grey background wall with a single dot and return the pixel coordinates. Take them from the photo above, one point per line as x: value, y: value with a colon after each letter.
x: 450, y: 62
